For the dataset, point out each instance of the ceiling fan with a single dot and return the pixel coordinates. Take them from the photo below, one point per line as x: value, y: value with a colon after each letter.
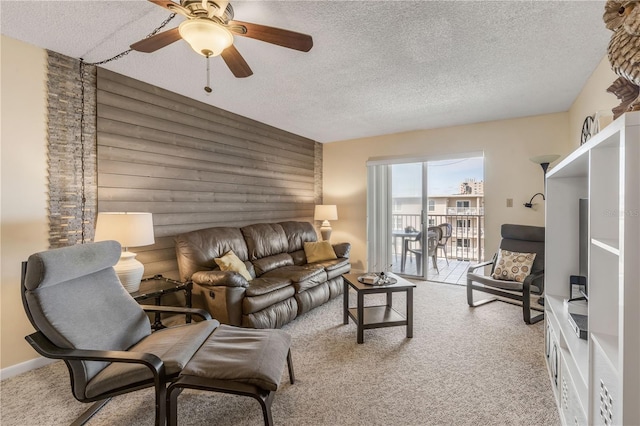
x: 209, y: 29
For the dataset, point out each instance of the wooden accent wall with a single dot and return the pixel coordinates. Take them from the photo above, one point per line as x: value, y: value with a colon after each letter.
x: 196, y: 166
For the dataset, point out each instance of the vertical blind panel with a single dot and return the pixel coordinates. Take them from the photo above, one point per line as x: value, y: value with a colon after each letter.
x: 196, y: 166
x: 378, y: 218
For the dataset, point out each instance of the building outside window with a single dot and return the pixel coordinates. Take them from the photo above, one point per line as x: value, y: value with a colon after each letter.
x: 462, y: 205
x: 463, y: 223
x: 463, y: 243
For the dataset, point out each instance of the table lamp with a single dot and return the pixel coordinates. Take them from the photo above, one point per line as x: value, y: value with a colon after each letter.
x: 130, y: 230
x: 325, y: 213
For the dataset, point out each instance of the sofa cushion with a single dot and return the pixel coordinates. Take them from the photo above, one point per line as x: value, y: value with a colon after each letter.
x: 298, y: 233
x: 263, y: 285
x: 197, y: 250
x: 335, y: 267
x: 265, y: 239
x: 319, y: 251
x: 298, y: 256
x: 302, y: 277
x: 274, y: 316
x: 231, y: 262
x: 258, y: 303
x: 312, y: 298
x: 266, y: 264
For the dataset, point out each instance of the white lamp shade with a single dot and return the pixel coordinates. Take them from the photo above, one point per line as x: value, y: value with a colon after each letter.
x: 206, y: 37
x: 127, y: 228
x: 326, y: 212
x: 130, y: 230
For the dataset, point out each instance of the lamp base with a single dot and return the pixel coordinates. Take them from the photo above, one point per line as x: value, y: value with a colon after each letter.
x: 129, y: 271
x: 325, y: 230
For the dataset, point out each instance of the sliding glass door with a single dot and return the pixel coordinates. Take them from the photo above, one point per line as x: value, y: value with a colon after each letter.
x: 408, y: 218
x: 426, y: 218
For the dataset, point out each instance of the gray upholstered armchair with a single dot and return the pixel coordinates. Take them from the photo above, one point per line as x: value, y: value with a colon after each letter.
x: 84, y: 316
x: 519, y: 278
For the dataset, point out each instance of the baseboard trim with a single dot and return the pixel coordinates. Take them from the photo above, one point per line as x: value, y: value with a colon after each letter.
x: 23, y: 367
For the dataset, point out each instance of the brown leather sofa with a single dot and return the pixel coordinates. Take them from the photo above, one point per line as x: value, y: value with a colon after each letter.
x: 284, y: 285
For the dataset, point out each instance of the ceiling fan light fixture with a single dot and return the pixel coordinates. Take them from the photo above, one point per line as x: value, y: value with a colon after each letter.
x: 205, y: 36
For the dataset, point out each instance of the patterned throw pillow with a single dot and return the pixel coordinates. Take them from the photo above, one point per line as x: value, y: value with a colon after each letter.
x: 513, y: 266
x: 231, y: 262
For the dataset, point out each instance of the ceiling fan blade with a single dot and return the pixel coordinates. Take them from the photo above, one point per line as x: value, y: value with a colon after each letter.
x: 284, y: 38
x: 172, y: 7
x: 163, y: 3
x: 236, y: 62
x: 158, y: 41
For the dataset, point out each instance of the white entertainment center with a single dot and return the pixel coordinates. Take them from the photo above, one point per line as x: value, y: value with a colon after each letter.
x: 597, y: 380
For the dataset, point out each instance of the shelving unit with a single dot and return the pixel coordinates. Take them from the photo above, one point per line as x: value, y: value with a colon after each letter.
x: 596, y: 381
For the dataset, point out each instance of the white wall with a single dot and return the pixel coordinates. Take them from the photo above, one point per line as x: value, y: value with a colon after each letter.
x: 23, y: 180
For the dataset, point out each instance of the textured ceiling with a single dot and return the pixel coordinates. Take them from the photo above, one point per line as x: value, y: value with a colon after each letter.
x: 377, y: 67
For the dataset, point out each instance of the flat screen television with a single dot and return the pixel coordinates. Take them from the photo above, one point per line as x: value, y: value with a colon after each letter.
x: 583, y: 247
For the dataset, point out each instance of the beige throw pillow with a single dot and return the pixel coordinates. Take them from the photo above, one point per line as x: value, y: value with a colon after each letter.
x: 231, y: 262
x: 513, y: 266
x: 319, y: 251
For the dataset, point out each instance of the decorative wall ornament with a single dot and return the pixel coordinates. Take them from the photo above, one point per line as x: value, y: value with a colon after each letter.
x: 587, y: 129
x: 623, y: 18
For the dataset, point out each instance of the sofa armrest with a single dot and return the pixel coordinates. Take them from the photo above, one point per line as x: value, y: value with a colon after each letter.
x: 221, y: 294
x: 219, y: 278
x: 342, y: 249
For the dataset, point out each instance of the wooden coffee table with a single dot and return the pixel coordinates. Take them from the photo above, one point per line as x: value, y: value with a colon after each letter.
x: 367, y: 317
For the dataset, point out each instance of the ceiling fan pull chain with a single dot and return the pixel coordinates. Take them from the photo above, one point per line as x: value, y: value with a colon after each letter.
x: 207, y: 88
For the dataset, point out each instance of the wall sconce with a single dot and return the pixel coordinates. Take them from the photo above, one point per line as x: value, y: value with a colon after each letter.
x: 130, y: 230
x: 530, y: 203
x: 326, y: 213
x: 544, y: 161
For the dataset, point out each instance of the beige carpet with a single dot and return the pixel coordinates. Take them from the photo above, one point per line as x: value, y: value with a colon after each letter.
x: 464, y: 366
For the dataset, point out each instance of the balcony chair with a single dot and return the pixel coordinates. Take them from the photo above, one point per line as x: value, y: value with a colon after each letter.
x: 84, y: 316
x: 519, y: 286
x: 415, y: 247
x: 446, y: 232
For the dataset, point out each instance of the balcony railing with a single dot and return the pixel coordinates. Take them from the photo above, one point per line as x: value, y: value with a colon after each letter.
x: 466, y: 211
x: 467, y: 236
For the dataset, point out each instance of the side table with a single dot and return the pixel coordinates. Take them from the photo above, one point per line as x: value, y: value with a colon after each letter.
x: 367, y: 317
x: 156, y: 287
